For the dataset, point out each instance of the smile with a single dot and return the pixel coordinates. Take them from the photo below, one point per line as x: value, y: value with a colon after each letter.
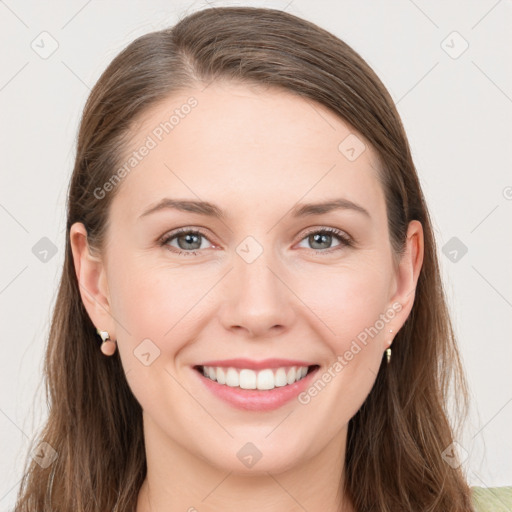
x: 255, y: 385
x: 245, y: 378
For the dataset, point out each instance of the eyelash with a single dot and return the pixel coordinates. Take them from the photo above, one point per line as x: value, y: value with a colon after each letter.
x: 345, y: 240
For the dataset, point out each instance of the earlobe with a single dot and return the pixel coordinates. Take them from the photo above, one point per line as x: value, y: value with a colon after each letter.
x: 91, y: 277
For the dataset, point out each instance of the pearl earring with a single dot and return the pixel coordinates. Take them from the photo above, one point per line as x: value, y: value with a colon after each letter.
x: 108, y: 347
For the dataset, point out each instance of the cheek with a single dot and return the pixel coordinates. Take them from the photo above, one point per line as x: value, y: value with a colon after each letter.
x: 349, y: 309
x: 354, y: 306
x: 348, y: 302
x: 159, y: 302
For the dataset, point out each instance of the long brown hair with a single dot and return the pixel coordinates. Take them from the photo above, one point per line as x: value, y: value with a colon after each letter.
x: 395, y: 444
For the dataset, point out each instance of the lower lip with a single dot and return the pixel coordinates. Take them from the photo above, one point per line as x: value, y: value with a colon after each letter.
x: 255, y: 399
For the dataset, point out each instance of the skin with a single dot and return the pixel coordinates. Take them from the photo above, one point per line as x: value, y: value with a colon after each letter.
x: 255, y: 153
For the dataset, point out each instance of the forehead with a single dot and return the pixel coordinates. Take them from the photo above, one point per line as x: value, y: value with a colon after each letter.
x: 262, y: 146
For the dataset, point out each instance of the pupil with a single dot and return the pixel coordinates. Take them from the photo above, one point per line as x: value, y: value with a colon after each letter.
x: 189, y: 240
x: 318, y: 238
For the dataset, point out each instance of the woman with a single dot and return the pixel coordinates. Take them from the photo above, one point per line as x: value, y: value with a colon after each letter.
x: 251, y: 312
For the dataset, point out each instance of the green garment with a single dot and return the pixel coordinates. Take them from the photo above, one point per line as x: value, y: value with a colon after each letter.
x: 492, y: 499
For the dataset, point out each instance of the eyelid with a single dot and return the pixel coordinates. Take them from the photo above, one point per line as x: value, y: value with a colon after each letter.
x: 326, y: 229
x: 188, y: 229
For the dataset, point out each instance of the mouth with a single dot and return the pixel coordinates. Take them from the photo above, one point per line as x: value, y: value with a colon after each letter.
x: 256, y: 385
x: 264, y: 379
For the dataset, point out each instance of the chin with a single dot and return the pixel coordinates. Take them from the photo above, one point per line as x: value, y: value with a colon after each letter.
x: 257, y: 457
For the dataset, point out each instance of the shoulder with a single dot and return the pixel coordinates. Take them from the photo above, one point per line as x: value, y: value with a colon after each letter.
x: 492, y: 499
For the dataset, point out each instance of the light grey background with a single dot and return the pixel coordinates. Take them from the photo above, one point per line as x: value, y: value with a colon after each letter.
x: 457, y: 110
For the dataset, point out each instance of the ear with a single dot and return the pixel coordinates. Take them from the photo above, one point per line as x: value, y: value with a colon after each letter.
x: 92, y: 281
x: 407, y: 273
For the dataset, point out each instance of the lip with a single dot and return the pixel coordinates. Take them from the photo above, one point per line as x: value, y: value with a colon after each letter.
x: 250, y: 364
x: 255, y: 399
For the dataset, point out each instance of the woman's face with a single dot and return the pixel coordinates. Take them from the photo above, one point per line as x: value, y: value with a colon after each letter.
x: 264, y: 282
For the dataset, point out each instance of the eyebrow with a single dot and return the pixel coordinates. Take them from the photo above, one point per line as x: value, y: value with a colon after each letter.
x: 211, y: 210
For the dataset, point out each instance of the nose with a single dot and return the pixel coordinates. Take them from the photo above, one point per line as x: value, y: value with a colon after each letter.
x: 257, y: 300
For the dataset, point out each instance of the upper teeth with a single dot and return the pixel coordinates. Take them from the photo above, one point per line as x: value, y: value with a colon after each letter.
x: 250, y: 379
